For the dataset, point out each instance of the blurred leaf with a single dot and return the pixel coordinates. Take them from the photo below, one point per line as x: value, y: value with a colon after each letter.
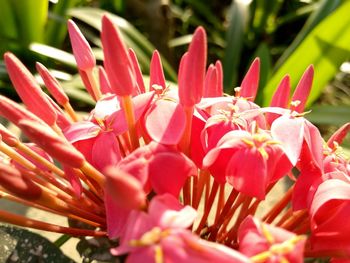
x: 132, y: 36
x: 265, y: 12
x: 234, y: 42
x: 263, y: 53
x: 31, y: 16
x: 57, y: 24
x: 17, y: 244
x: 180, y: 41
x: 53, y: 53
x: 324, y: 9
x: 326, y: 47
x: 7, y: 24
x: 329, y: 115
x: 205, y: 11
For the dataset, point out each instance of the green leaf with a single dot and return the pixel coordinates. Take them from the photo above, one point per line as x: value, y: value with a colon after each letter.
x: 31, y: 16
x: 133, y: 38
x: 56, y: 29
x: 7, y: 22
x: 329, y: 115
x: 324, y: 9
x: 326, y: 47
x: 53, y: 53
x: 17, y: 244
x: 234, y: 43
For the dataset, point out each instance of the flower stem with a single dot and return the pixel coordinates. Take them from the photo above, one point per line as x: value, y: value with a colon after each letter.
x: 225, y: 210
x: 208, y: 205
x: 185, y: 146
x: 278, y: 207
x: 26, y: 222
x: 93, y: 83
x: 69, y: 109
x: 128, y: 108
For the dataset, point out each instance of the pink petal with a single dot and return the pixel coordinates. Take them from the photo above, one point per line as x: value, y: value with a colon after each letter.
x: 82, y: 130
x: 247, y: 173
x: 117, y: 120
x: 105, y: 150
x: 168, y: 172
x: 250, y: 83
x: 116, y: 217
x: 314, y: 141
x: 165, y: 122
x: 167, y: 212
x: 291, y: 133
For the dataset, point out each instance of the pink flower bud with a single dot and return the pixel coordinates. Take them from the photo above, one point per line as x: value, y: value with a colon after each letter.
x: 14, y: 112
x: 117, y: 62
x: 29, y: 90
x: 192, y: 70
x: 54, y: 145
x: 250, y: 83
x: 81, y: 49
x: 8, y: 137
x: 127, y: 190
x: 156, y: 71
x: 13, y: 181
x: 210, y: 83
x: 104, y: 81
x: 137, y: 69
x: 280, y: 98
x: 220, y: 77
x: 303, y: 89
x: 52, y: 84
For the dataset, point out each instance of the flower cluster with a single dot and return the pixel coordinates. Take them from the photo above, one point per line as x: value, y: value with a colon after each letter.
x: 175, y: 173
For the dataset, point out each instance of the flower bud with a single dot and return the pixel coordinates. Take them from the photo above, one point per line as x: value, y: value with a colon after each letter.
x: 117, y: 62
x: 8, y: 137
x: 81, y: 49
x: 192, y: 70
x: 54, y: 145
x: 13, y: 181
x: 250, y: 83
x: 126, y: 189
x: 29, y: 90
x: 52, y: 84
x: 156, y: 71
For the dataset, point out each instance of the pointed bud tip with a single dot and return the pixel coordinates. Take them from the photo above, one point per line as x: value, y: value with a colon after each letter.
x: 81, y: 48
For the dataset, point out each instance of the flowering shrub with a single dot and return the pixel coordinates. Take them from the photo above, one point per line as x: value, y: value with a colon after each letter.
x: 138, y: 167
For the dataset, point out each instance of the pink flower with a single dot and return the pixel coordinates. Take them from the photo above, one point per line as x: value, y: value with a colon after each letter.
x: 152, y: 237
x: 265, y: 243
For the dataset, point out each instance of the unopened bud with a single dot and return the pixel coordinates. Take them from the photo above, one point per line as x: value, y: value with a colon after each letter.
x: 53, y: 144
x: 13, y: 181
x: 126, y: 190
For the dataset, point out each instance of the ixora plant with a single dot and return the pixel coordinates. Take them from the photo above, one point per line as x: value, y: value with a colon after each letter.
x: 137, y: 168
